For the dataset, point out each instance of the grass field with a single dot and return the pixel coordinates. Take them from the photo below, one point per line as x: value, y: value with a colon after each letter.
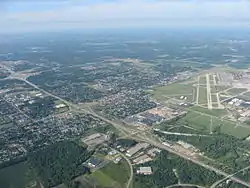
x: 239, y: 131
x: 197, y: 121
x: 247, y: 94
x: 202, y: 80
x: 213, y: 89
x: 214, y: 98
x: 202, y: 95
x: 114, y: 175
x: 213, y: 112
x: 104, y: 179
x: 216, y: 89
x: 211, y: 79
x: 172, y: 90
x: 204, y: 123
x: 236, y: 91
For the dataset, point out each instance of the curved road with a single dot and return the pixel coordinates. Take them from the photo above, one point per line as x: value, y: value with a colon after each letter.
x: 228, y: 177
x: 130, y: 180
x: 186, y: 185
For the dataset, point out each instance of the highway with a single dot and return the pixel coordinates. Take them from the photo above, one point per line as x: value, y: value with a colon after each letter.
x: 144, y: 138
x: 141, y: 137
x: 128, y: 130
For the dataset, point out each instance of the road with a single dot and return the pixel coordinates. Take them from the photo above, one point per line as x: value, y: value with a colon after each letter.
x: 185, y: 185
x: 231, y: 175
x: 130, y: 180
x: 198, y: 90
x: 218, y: 171
x: 180, y: 134
x: 209, y: 97
x: 143, y: 137
x: 128, y: 130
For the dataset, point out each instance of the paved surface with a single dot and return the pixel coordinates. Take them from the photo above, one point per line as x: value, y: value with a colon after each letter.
x: 209, y: 97
x: 185, y: 185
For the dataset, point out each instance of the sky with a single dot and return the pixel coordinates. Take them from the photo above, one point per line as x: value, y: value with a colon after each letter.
x: 28, y: 15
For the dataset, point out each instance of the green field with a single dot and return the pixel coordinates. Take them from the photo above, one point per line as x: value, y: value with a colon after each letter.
x: 213, y: 112
x: 203, y: 80
x: 213, y: 89
x: 231, y: 129
x: 113, y: 175
x: 104, y: 179
x: 211, y: 79
x: 214, y: 98
x: 236, y: 91
x: 173, y: 90
x: 247, y: 94
x: 202, y: 95
x: 204, y: 123
x: 17, y: 176
x: 216, y: 89
x: 197, y: 121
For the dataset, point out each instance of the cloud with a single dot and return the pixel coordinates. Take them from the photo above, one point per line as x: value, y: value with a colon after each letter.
x: 129, y: 13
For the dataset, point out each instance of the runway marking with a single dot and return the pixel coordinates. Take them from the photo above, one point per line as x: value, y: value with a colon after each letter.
x: 198, y: 88
x: 209, y: 97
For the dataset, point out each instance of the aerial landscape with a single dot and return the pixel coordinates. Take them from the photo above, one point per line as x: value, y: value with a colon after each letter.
x: 117, y: 108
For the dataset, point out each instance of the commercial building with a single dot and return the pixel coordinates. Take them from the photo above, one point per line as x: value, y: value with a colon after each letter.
x: 145, y: 170
x: 136, y: 148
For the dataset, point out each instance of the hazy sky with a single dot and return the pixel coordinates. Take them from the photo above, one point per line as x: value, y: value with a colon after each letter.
x: 18, y: 15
